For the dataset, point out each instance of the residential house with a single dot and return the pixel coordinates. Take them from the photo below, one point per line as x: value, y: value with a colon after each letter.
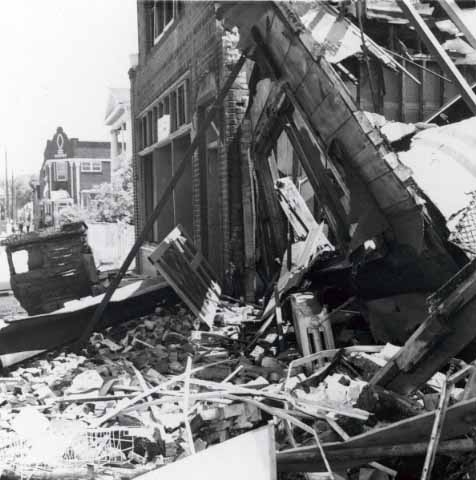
x: 71, y: 169
x: 118, y: 120
x: 184, y: 57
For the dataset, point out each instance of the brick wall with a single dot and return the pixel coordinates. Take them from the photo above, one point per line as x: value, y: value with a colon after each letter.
x: 230, y: 175
x: 91, y: 149
x: 196, y: 44
x: 91, y: 179
x: 189, y: 45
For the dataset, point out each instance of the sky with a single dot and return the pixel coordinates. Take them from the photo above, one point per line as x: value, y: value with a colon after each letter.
x: 59, y: 57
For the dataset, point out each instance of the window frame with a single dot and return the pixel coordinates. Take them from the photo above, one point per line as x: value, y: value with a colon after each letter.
x: 88, y: 166
x: 59, y: 178
x: 160, y: 8
x: 171, y: 103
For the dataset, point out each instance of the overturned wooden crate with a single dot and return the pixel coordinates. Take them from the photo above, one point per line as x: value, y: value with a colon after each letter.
x: 60, y: 267
x: 186, y: 270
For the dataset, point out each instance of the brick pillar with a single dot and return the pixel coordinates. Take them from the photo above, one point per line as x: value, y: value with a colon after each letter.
x: 136, y: 170
x: 230, y: 173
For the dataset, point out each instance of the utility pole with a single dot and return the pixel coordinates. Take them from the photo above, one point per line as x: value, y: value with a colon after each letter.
x: 13, y: 202
x: 7, y: 203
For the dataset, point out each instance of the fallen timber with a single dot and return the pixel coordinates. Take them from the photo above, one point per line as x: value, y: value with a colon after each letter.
x: 396, y: 439
x: 301, y: 460
x: 380, y: 200
x: 26, y: 337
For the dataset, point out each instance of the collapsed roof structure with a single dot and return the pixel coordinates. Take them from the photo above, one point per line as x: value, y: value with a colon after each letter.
x: 391, y: 228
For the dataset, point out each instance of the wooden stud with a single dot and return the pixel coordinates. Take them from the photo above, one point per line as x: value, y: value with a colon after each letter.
x: 457, y: 17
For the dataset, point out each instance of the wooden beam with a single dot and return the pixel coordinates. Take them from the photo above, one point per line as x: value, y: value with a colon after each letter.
x: 402, y: 438
x: 249, y: 211
x: 457, y: 17
x: 274, y: 218
x: 319, y: 180
x: 437, y: 50
x: 304, y: 459
x: 436, y: 430
x: 162, y: 201
x: 295, y: 208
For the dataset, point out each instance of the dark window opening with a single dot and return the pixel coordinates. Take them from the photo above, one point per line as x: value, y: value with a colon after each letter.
x: 148, y: 185
x: 173, y: 111
x: 149, y: 24
x: 181, y: 120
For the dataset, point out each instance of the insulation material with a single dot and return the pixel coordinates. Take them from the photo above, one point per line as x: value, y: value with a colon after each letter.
x: 444, y: 167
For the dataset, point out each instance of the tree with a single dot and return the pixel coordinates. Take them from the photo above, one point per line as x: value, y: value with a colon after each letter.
x: 72, y: 214
x: 23, y: 190
x: 112, y: 202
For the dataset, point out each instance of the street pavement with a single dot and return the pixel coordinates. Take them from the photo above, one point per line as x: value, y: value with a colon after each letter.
x: 9, y: 306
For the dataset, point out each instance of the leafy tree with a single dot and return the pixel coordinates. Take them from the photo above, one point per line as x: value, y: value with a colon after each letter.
x: 23, y: 190
x: 72, y: 214
x: 112, y: 202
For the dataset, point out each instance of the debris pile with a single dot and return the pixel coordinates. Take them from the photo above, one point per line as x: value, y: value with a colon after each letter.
x: 157, y: 389
x: 121, y: 403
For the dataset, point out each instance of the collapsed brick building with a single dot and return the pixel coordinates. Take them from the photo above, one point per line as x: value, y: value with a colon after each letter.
x: 184, y: 55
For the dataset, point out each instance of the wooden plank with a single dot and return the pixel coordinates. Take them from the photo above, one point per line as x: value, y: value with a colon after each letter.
x: 404, y: 434
x: 295, y: 208
x: 310, y: 156
x: 440, y: 414
x: 457, y: 17
x: 437, y: 50
x: 249, y: 212
x: 470, y: 387
x: 270, y: 205
x: 458, y: 422
x: 190, y: 280
x: 340, y: 456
